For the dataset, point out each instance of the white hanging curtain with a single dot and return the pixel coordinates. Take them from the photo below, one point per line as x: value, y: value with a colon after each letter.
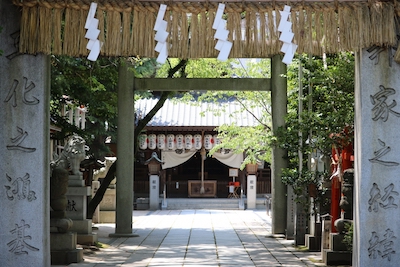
x: 171, y: 158
x: 231, y: 159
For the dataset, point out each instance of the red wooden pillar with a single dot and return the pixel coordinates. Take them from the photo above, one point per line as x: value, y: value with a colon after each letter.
x: 347, y: 157
x: 347, y: 163
x: 335, y: 193
x: 335, y: 199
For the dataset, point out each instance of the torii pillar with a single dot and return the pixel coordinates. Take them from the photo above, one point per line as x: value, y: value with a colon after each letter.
x: 279, y: 111
x: 125, y: 153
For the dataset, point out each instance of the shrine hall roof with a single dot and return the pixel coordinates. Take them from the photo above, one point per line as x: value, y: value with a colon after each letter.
x: 196, y: 115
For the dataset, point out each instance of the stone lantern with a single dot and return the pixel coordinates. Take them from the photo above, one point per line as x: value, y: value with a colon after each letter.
x: 154, y: 164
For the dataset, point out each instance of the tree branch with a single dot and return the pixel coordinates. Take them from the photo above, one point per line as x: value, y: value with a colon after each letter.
x: 98, y: 197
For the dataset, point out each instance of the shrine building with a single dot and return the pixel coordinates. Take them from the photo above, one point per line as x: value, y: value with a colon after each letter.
x: 182, y: 134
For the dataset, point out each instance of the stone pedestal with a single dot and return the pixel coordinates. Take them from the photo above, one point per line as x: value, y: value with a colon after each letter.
x: 337, y: 254
x: 251, y: 191
x: 63, y: 248
x: 154, y: 192
x: 77, y: 209
x: 108, y: 206
x: 313, y: 239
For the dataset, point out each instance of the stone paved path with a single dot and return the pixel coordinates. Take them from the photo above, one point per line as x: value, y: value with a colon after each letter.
x: 197, y: 238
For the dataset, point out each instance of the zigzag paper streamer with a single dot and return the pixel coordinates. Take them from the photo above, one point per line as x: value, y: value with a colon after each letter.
x: 161, y: 35
x: 285, y: 27
x: 92, y: 24
x: 223, y: 45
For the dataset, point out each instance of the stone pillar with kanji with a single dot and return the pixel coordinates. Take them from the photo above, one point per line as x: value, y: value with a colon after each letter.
x: 377, y: 162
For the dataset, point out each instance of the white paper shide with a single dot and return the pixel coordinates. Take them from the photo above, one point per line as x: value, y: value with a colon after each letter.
x: 161, y: 35
x: 92, y: 33
x: 285, y: 27
x: 223, y: 45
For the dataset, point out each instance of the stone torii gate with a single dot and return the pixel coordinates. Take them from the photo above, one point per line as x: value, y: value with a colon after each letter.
x: 277, y: 86
x: 33, y: 29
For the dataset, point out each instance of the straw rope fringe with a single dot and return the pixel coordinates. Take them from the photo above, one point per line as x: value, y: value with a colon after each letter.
x: 57, y: 27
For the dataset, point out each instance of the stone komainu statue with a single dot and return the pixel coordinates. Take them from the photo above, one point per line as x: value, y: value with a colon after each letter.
x: 73, y: 154
x: 69, y: 160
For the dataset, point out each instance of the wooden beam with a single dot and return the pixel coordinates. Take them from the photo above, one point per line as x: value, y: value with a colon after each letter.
x: 200, y: 84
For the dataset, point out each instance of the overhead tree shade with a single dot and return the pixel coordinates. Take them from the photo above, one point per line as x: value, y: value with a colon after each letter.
x: 57, y: 27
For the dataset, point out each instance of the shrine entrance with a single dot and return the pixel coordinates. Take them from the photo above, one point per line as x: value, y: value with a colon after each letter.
x: 126, y: 27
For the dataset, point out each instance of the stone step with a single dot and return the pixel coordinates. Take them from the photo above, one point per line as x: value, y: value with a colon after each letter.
x: 203, y: 203
x: 200, y: 203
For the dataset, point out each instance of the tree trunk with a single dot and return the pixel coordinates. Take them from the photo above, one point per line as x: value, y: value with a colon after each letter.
x: 98, y: 197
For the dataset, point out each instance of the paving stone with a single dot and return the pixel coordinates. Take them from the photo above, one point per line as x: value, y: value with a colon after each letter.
x: 166, y: 243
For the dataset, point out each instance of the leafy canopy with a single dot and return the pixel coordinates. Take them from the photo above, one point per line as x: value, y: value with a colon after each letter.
x: 80, y: 82
x: 252, y: 140
x: 326, y: 121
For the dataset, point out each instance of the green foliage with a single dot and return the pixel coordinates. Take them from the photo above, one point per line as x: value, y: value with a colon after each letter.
x: 100, y: 245
x: 237, y: 139
x: 87, y: 83
x: 327, y: 118
x: 303, y: 183
x: 253, y: 141
x: 198, y: 68
x: 254, y: 68
x: 78, y: 81
x: 348, y: 237
x: 94, y: 85
x: 213, y: 68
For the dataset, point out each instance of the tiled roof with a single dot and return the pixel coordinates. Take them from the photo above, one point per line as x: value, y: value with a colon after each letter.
x: 175, y: 114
